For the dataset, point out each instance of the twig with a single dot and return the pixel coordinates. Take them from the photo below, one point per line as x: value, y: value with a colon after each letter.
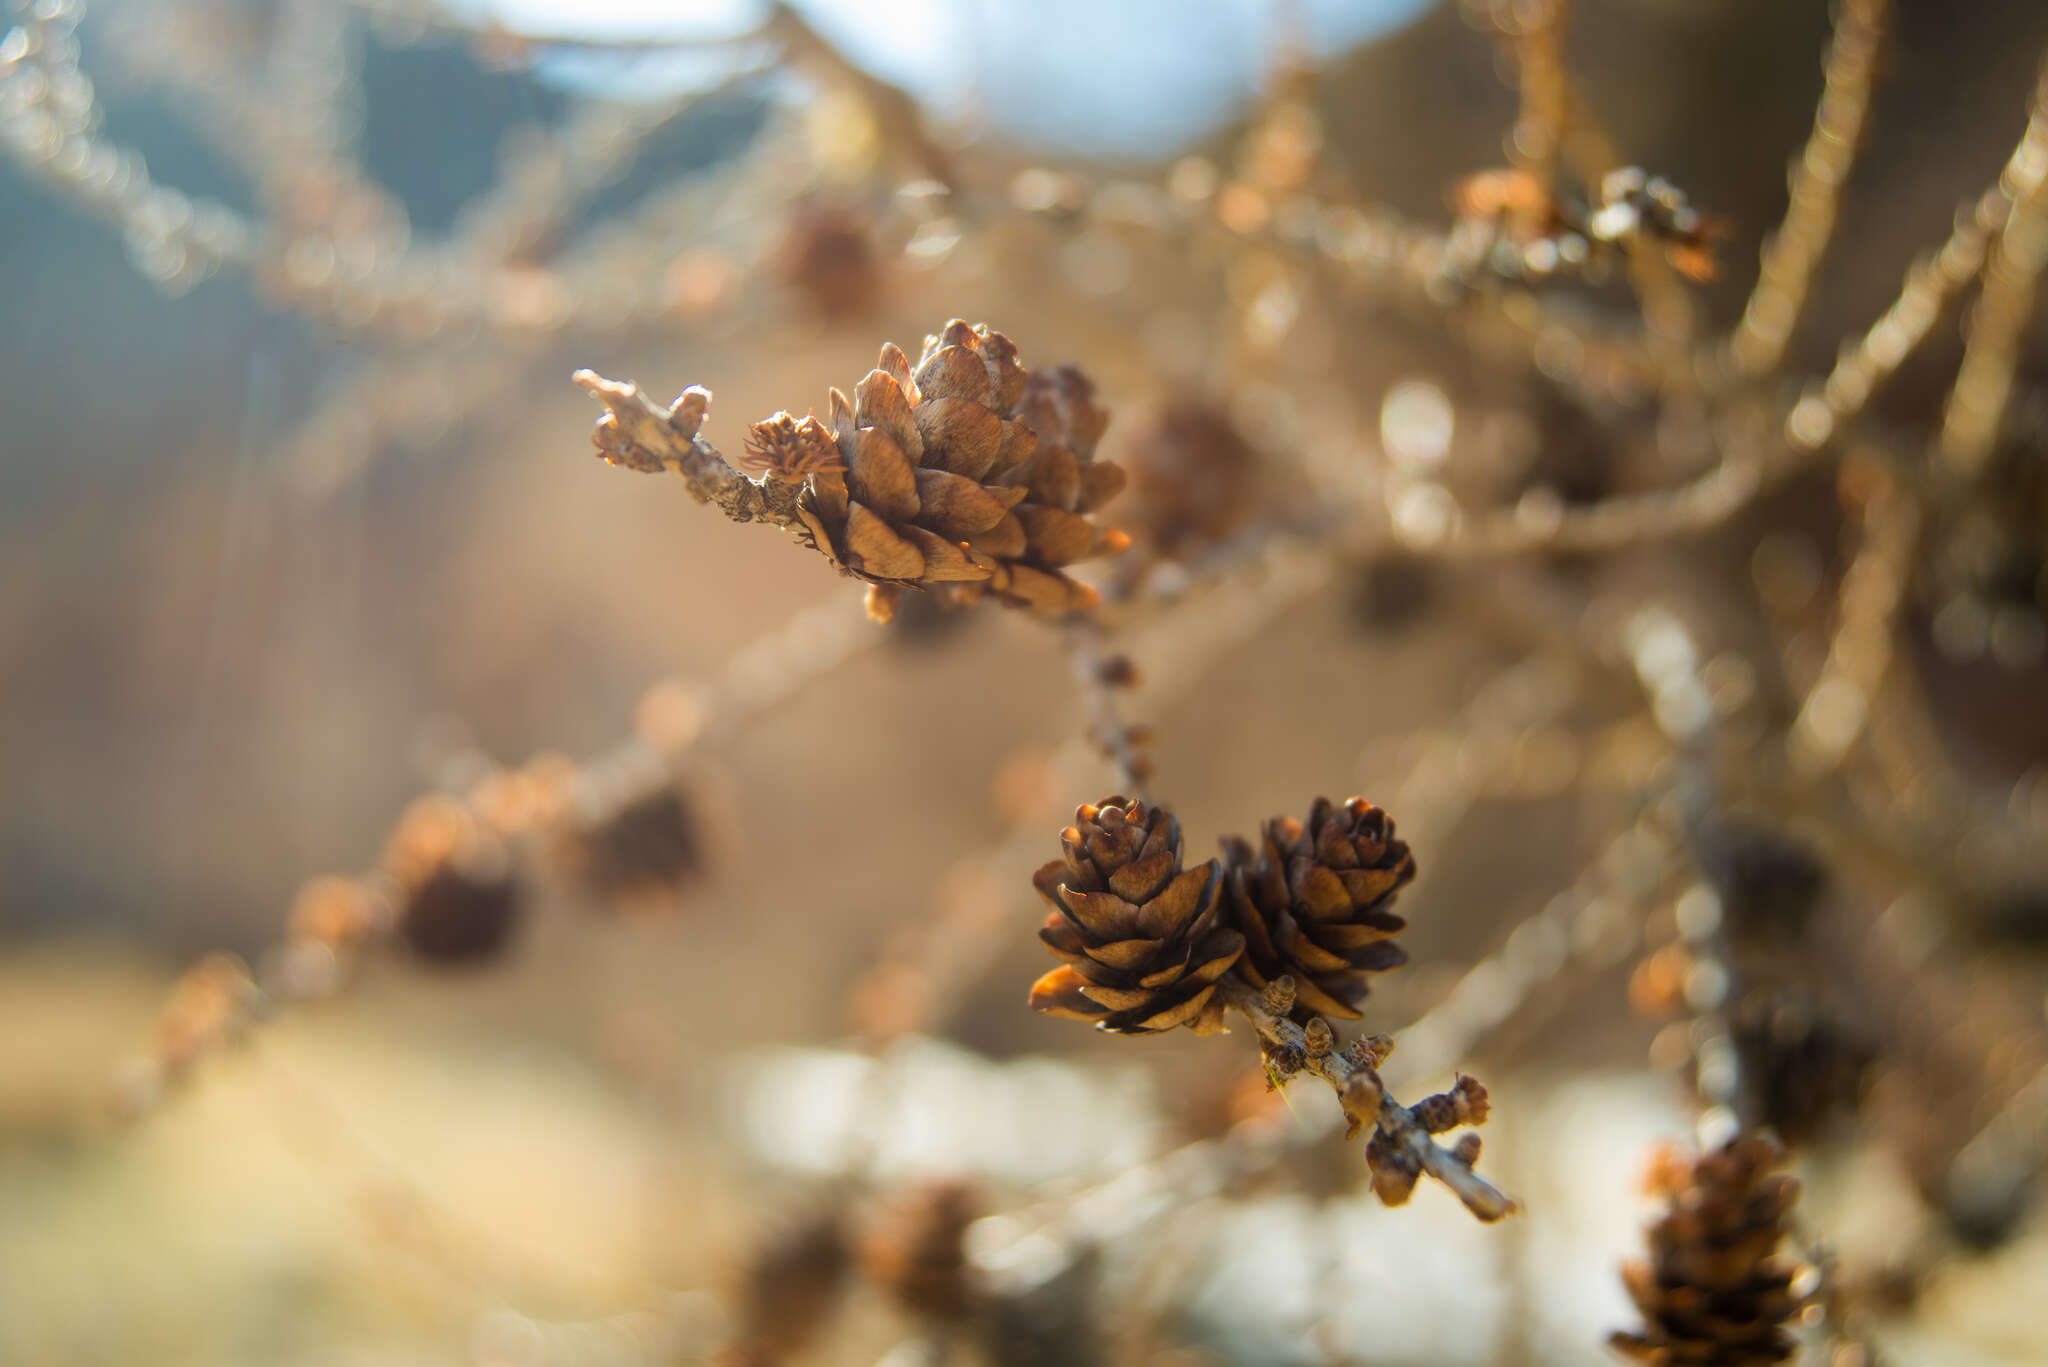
x: 640, y: 435
x: 897, y: 116
x: 1792, y: 253
x: 1837, y: 707
x: 1402, y: 1137
x: 218, y: 1003
x: 1538, y: 138
x: 1931, y: 284
x: 1118, y: 739
x: 1983, y: 388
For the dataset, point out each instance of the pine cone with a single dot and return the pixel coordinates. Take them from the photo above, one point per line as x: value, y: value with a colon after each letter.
x: 1805, y: 1065
x: 971, y: 473
x: 458, y: 894
x: 828, y: 255
x: 916, y: 1250
x: 1313, y: 904
x: 1192, y: 477
x: 1712, y: 1291
x: 633, y: 849
x: 788, y: 1290
x: 1139, y: 934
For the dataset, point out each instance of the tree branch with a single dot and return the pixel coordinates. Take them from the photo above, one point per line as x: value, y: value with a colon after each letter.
x: 641, y: 435
x: 1402, y: 1146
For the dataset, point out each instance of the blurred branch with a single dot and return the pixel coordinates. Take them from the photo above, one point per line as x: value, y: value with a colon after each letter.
x: 1837, y: 707
x: 1794, y: 251
x: 1991, y: 343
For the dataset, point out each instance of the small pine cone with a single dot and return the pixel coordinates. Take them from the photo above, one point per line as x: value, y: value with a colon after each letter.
x: 458, y: 895
x: 635, y: 849
x: 1807, y: 1065
x: 1769, y: 884
x: 827, y: 255
x: 1139, y: 935
x: 1313, y: 903
x: 1713, y: 1292
x: 788, y: 1290
x: 969, y: 473
x: 916, y: 1250
x: 1192, y: 476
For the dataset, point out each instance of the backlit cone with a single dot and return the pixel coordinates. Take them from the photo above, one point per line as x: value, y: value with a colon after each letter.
x: 1314, y: 901
x: 965, y: 471
x: 1139, y: 933
x: 1713, y: 1292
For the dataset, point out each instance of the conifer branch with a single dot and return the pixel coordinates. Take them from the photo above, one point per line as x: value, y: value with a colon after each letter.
x: 1402, y: 1144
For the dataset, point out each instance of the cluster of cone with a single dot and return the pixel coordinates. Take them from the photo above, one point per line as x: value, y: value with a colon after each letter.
x: 966, y: 473
x: 1146, y: 941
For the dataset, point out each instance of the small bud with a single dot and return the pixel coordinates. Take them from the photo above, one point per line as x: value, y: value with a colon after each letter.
x: 1466, y: 1150
x: 1369, y: 1051
x: 1285, y: 1060
x: 1278, y: 998
x: 1361, y: 1100
x: 1317, y: 1037
x: 686, y: 414
x: 1464, y: 1104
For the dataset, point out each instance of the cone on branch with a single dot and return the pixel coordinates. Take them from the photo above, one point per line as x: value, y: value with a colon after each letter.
x: 1314, y: 901
x: 915, y: 1250
x: 789, y: 1289
x: 1713, y: 1293
x: 458, y: 894
x: 1139, y: 934
x: 966, y: 472
x: 1193, y: 480
x: 632, y: 849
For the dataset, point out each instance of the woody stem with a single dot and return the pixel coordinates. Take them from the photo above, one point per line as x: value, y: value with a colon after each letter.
x: 1353, y: 1073
x: 642, y: 435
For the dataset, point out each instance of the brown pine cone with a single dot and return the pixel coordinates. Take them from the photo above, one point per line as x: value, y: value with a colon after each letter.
x: 1139, y: 934
x: 1712, y: 1291
x: 1192, y: 478
x: 789, y: 1289
x: 916, y: 1250
x: 828, y: 256
x: 458, y: 895
x: 969, y: 472
x: 1314, y: 904
x: 633, y: 849
x: 1806, y: 1066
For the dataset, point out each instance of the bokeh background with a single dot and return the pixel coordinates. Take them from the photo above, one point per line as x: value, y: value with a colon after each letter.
x: 269, y: 570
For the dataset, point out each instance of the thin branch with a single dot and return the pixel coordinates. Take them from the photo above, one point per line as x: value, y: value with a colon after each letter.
x: 1835, y: 710
x: 1117, y: 738
x: 1931, y: 285
x: 1794, y: 251
x: 641, y: 435
x: 1538, y: 138
x: 1402, y: 1135
x: 1983, y: 388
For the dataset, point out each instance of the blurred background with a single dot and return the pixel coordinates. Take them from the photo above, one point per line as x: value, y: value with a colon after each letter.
x: 299, y: 523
